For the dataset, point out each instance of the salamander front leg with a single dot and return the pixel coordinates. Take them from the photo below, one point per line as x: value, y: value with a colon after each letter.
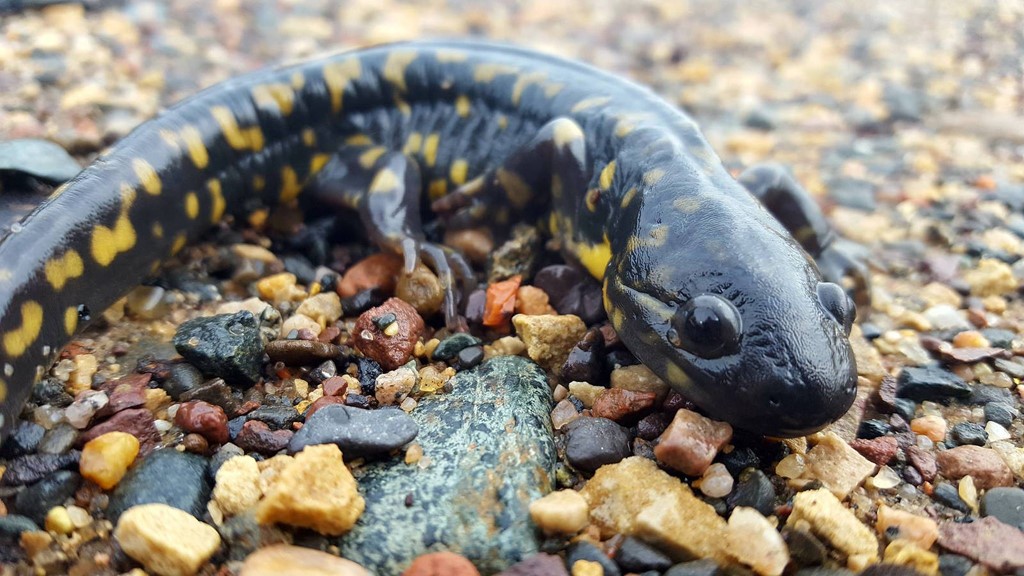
x: 840, y: 261
x: 385, y: 189
x: 524, y: 185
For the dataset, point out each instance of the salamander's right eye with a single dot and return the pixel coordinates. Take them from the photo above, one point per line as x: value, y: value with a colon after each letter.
x: 707, y: 326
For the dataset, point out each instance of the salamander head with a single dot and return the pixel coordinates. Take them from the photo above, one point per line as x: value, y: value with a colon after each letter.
x: 733, y: 314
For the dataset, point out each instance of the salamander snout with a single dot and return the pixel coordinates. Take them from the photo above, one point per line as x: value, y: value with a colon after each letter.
x: 836, y: 302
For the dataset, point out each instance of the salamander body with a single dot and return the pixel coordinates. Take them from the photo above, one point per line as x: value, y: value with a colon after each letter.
x: 703, y: 284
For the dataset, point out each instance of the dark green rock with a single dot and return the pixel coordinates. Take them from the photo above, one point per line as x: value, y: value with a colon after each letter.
x: 167, y: 477
x: 36, y: 500
x: 454, y: 344
x: 39, y: 158
x: 225, y: 345
x: 491, y: 453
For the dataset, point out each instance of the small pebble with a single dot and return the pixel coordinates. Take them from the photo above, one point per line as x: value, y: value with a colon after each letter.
x: 143, y: 532
x: 947, y: 494
x: 106, y: 459
x: 716, y: 481
x: 358, y: 433
x: 548, y: 338
x: 1006, y: 504
x: 966, y: 433
x: 691, y: 441
x: 35, y: 501
x: 753, y: 540
x: 593, y: 442
x: 226, y: 345
x: 563, y: 512
x: 85, y: 406
x: 931, y: 427
x: 237, y: 487
x: 388, y: 350
x: 203, y: 418
x: 894, y: 523
x: 285, y: 559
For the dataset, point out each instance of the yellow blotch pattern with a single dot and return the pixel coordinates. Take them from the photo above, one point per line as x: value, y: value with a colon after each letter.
x: 290, y: 185
x: 337, y: 76
x: 395, y: 65
x: 594, y: 257
x: 279, y: 96
x: 196, y: 147
x: 18, y: 340
x: 385, y: 181
x: 148, y: 177
x: 191, y: 205
x: 458, y: 172
x: 430, y: 144
x: 107, y: 243
x: 59, y: 270
x: 238, y: 138
x: 369, y: 158
x: 462, y: 106
x: 217, y: 198
x: 70, y: 320
x: 607, y: 175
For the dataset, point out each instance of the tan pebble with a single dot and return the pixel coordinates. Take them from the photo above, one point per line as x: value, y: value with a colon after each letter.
x: 563, y: 512
x: 58, y: 520
x: 505, y: 346
x: 253, y: 305
x: 994, y: 304
x: 549, y: 338
x: 997, y: 379
x: 901, y: 525
x: 839, y: 467
x: 639, y: 378
x: 970, y: 339
x: 280, y: 288
x: 35, y: 542
x: 907, y: 553
x: 563, y: 413
x: 586, y: 568
x: 421, y: 289
x: 379, y: 270
x: 237, y: 485
x: 476, y: 244
x: 79, y: 516
x: 991, y: 278
x: 85, y: 367
x: 533, y: 301
x: 165, y: 540
x: 968, y: 492
x: 106, y: 458
x: 931, y: 427
x: 287, y: 560
x: 315, y: 490
x: 587, y: 393
x: 752, y: 540
x: 254, y: 252
x: 936, y: 294
x: 392, y: 387
x: 413, y: 453
x: 299, y: 322
x: 792, y: 466
x: 324, y: 308
x: 827, y: 518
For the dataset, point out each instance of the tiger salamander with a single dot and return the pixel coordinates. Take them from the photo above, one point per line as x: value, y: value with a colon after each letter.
x: 702, y: 283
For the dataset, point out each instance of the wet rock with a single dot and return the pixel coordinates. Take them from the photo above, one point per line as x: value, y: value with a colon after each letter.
x: 504, y: 457
x: 754, y: 490
x: 24, y: 439
x: 388, y: 333
x: 691, y: 442
x: 871, y: 429
x: 623, y: 405
x: 804, y: 548
x: 85, y: 406
x: 203, y: 418
x: 11, y: 528
x: 138, y: 422
x: 653, y: 425
x: 1004, y: 504
x: 571, y: 291
x: 753, y: 541
x: 947, y: 494
x: 33, y: 467
x: 286, y: 559
x: 181, y: 379
x: 833, y: 522
x: 585, y: 362
x: 218, y: 393
x: 38, y: 158
x: 982, y: 464
x: 968, y: 433
x: 988, y: 541
x: 549, y: 338
x: 741, y: 458
x: 58, y: 439
x: 634, y: 555
x: 593, y: 442
x: 106, y: 458
x: 226, y: 345
x: 358, y: 433
x: 880, y: 450
x: 51, y: 391
x: 898, y: 524
x: 376, y: 272
x: 165, y: 476
x: 836, y: 465
x: 277, y: 417
x: 301, y: 352
x: 584, y: 551
x: 1002, y: 414
x: 537, y: 565
x: 255, y: 436
x: 143, y: 532
x: 931, y: 383
x: 223, y: 454
x: 923, y: 461
x: 452, y: 345
x: 695, y: 568
x: 36, y: 500
x: 852, y: 193
x: 954, y: 565
x: 563, y: 512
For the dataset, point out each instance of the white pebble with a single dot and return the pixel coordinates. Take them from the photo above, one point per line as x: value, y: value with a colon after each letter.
x: 996, y: 432
x: 716, y: 482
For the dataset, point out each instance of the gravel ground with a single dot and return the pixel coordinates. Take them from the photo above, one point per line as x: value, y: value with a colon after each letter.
x: 905, y: 119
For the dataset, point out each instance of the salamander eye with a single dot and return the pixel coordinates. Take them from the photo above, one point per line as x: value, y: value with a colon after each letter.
x: 707, y: 326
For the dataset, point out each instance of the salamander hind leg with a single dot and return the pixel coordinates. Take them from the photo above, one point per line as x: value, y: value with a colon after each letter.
x: 839, y: 260
x: 551, y: 164
x: 385, y: 187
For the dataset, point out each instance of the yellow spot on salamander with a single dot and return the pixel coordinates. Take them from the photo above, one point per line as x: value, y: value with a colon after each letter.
x: 290, y: 185
x: 359, y: 140
x: 502, y: 121
x: 3, y: 390
x: 59, y: 270
x: 517, y: 190
x: 259, y: 183
x: 148, y: 177
x: 59, y: 190
x: 70, y: 320
x: 566, y: 132
x: 179, y: 242
x: 588, y: 103
x: 170, y: 138
x: 552, y: 89
x: 191, y: 205
x: 237, y: 138
x: 18, y: 340
x: 217, y: 200
x: 402, y: 106
x: 337, y: 76
x: 553, y: 227
x: 298, y: 80
x: 196, y: 147
x: 488, y: 71
x: 623, y: 128
x: 395, y: 65
x: 595, y: 257
x: 369, y: 158
x: 522, y: 81
x: 462, y: 106
x: 309, y: 137
x: 430, y: 144
x: 686, y: 204
x: 591, y: 198
x: 274, y: 96
x: 607, y: 175
x: 451, y: 56
x: 158, y: 230
x: 437, y: 189
x: 652, y: 177
x: 458, y: 172
x: 385, y: 181
x: 628, y: 197
x: 413, y: 143
x: 107, y: 243
x: 318, y: 162
x: 676, y: 376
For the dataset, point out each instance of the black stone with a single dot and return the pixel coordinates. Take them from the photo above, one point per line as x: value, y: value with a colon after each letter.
x: 359, y: 401
x: 322, y: 372
x: 999, y: 337
x: 452, y: 345
x: 968, y: 433
x: 235, y: 426
x: 24, y: 439
x: 584, y: 550
x: 218, y: 393
x: 51, y: 391
x: 593, y: 442
x: 224, y: 453
x: 871, y: 429
x: 225, y: 345
x: 983, y: 394
x: 870, y: 331
x: 58, y: 440
x: 636, y: 556
x: 805, y: 549
x: 905, y: 408
x: 652, y: 425
x: 571, y: 292
x: 754, y: 490
x: 277, y: 417
x: 362, y: 301
x: 912, y: 476
x: 36, y: 500
x: 38, y: 158
x: 852, y: 193
x: 359, y: 433
x: 516, y: 256
x: 470, y: 357
x: 34, y: 467
x: 903, y: 104
x: 11, y: 527
x: 760, y: 118
x: 1005, y: 504
x: 948, y: 495
x: 695, y: 568
x: 168, y: 477
x: 931, y: 383
x: 181, y: 379
x: 954, y: 565
x: 368, y: 372
x: 739, y: 459
x: 1002, y: 414
x: 585, y: 362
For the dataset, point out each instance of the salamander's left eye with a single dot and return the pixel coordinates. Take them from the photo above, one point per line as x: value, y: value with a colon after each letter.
x: 708, y: 326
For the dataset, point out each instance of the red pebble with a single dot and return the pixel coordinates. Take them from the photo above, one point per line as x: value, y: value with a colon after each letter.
x: 441, y: 564
x: 136, y: 421
x: 879, y: 450
x: 258, y: 437
x: 618, y: 403
x: 205, y: 419
x: 335, y: 386
x: 321, y: 402
x: 388, y: 351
